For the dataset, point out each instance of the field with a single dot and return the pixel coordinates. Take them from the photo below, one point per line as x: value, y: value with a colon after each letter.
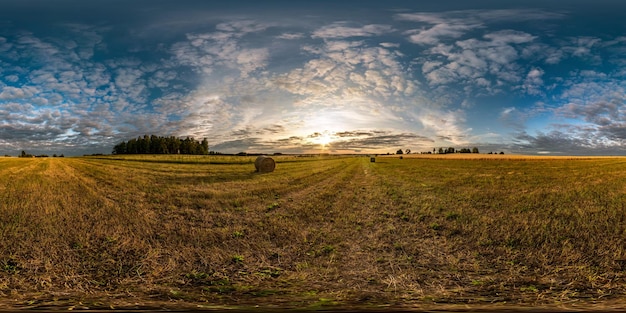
x: 319, y: 232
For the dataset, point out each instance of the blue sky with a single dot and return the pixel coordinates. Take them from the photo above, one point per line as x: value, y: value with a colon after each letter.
x: 529, y: 77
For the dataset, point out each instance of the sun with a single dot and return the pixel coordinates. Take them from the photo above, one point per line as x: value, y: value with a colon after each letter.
x: 325, y: 139
x: 321, y: 128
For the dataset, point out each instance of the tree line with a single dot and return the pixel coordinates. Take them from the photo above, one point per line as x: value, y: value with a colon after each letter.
x: 446, y: 151
x: 452, y: 150
x: 28, y: 155
x: 162, y: 145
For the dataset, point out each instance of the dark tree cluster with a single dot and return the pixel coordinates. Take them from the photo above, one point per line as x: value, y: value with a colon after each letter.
x: 467, y: 150
x: 25, y: 155
x: 162, y: 145
x: 452, y: 150
x: 28, y: 155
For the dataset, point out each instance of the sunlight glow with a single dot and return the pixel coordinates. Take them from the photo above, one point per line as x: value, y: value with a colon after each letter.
x: 325, y: 139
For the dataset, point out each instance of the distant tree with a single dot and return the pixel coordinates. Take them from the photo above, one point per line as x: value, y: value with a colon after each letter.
x: 131, y: 146
x: 185, y: 146
x: 25, y: 155
x: 501, y: 152
x: 120, y: 148
x: 204, y: 146
x: 441, y: 151
x: 155, y: 145
x: 173, y: 145
x: 450, y: 150
x: 399, y: 151
x: 474, y: 150
x: 407, y: 151
x: 162, y: 145
x: 145, y: 144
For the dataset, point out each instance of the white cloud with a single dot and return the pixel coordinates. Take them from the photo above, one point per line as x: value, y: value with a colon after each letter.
x: 443, y: 75
x: 30, y: 43
x: 533, y: 82
x: 13, y: 93
x: 499, y: 55
x: 598, y: 102
x: 429, y: 66
x: 436, y: 33
x: 207, y: 52
x: 454, y: 24
x: 242, y: 27
x: 250, y: 60
x: 75, y: 99
x: 39, y: 101
x: 12, y: 78
x: 429, y: 18
x: 483, y: 66
x: 162, y: 78
x: 512, y: 117
x: 339, y: 30
x: 130, y: 82
x: 340, y: 68
x: 581, y: 46
x: 542, y: 52
x: 390, y: 45
x: 341, y: 46
x: 508, y: 36
x: 87, y: 40
x: 290, y: 36
x: 514, y: 15
x: 447, y: 126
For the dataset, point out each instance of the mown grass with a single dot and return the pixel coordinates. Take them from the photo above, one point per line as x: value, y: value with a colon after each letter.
x: 317, y: 232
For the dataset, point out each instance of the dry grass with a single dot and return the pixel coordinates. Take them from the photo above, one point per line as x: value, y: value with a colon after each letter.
x: 341, y: 231
x: 478, y: 156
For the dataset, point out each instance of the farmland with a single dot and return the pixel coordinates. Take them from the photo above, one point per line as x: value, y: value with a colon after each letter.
x: 334, y: 231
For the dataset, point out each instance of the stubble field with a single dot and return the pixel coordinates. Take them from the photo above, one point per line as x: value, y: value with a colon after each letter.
x: 319, y: 232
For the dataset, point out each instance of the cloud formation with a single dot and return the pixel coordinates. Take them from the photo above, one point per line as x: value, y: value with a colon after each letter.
x: 340, y: 30
x: 335, y: 82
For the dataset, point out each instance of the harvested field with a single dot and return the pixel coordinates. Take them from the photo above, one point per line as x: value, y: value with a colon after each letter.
x: 317, y: 233
x: 477, y: 156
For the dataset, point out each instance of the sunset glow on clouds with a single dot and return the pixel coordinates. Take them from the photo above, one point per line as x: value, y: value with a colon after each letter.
x: 307, y: 77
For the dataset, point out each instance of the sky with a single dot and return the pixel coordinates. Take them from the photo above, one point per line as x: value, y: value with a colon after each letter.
x: 524, y: 77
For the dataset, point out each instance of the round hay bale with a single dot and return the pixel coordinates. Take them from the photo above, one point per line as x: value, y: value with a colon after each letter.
x: 264, y: 164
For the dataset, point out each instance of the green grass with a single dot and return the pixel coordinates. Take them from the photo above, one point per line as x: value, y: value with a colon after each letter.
x: 317, y: 232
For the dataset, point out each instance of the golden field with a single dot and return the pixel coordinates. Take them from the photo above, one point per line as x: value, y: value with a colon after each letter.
x: 477, y: 156
x: 424, y: 231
